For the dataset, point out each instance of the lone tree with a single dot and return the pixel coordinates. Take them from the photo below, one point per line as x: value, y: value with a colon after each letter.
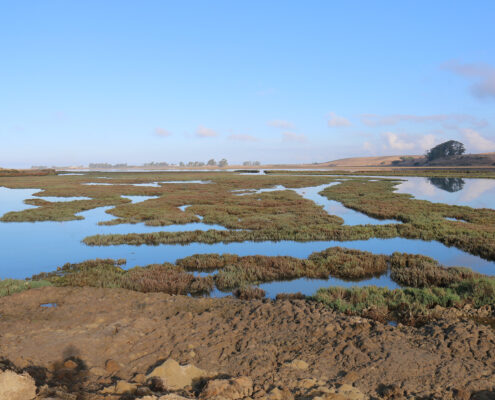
x: 447, y: 149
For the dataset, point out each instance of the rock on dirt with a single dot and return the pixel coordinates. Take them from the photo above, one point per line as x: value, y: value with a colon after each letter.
x: 175, y: 376
x: 16, y: 386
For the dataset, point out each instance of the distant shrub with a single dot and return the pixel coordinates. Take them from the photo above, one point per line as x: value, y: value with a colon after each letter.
x: 249, y: 293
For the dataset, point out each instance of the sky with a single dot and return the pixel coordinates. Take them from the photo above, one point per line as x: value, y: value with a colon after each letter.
x: 272, y: 81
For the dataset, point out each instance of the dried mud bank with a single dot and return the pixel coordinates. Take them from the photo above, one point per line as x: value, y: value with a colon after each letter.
x: 119, y: 344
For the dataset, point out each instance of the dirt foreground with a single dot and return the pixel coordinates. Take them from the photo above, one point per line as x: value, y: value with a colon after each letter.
x: 107, y: 343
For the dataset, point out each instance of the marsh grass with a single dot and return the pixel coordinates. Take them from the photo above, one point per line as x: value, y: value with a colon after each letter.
x: 420, y: 271
x: 26, y: 172
x: 166, y: 278
x: 207, y: 262
x: 107, y: 273
x: 11, y: 286
x: 235, y: 271
x: 351, y: 264
x: 410, y: 305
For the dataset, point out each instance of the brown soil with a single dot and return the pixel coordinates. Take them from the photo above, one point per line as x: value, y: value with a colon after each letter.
x: 132, y: 332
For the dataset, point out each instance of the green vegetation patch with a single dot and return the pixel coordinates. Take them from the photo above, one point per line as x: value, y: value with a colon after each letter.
x: 11, y: 286
x: 409, y: 305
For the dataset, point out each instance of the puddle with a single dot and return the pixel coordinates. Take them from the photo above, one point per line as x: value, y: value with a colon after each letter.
x: 48, y: 305
x: 138, y: 199
x: 150, y: 184
x: 61, y: 199
x: 456, y: 220
x: 308, y: 287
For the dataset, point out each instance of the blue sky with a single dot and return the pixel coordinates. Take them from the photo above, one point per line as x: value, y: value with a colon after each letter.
x: 275, y: 81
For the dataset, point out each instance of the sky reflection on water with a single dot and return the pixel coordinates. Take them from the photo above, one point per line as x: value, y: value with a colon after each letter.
x: 476, y: 193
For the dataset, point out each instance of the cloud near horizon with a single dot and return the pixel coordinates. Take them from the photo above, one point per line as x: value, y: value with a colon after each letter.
x: 204, y: 132
x: 335, y: 120
x: 293, y: 137
x: 405, y: 142
x: 477, y: 142
x: 449, y: 121
x: 483, y: 74
x: 243, y: 138
x: 162, y: 132
x: 280, y: 123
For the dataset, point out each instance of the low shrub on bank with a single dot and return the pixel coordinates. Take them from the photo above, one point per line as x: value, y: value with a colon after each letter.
x: 166, y: 278
x: 419, y: 271
x: 249, y: 293
x: 207, y: 262
x: 350, y: 264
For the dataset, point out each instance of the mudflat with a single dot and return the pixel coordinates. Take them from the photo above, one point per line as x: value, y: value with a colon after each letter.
x: 92, y: 340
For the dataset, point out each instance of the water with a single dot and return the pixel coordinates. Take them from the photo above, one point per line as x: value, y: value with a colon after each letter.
x: 350, y: 217
x: 48, y: 305
x: 139, y: 199
x: 476, y: 193
x: 30, y: 248
x: 309, y: 287
x: 13, y: 200
x: 149, y: 184
x: 59, y: 199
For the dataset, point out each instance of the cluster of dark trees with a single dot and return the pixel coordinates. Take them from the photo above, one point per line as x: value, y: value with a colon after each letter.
x: 107, y: 165
x: 446, y: 149
x: 251, y: 163
x: 157, y: 164
x: 222, y: 163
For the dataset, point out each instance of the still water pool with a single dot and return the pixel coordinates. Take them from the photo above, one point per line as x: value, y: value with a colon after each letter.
x: 476, y: 193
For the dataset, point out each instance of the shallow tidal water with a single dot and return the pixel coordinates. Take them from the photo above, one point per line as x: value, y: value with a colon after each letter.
x: 29, y: 248
x: 475, y: 193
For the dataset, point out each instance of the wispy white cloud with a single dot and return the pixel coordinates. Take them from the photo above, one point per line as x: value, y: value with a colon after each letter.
x: 369, y: 147
x: 293, y: 137
x: 280, y: 123
x: 204, y: 132
x: 478, y: 143
x: 482, y: 74
x: 335, y: 120
x: 404, y: 142
x: 449, y: 121
x: 396, y: 142
x: 162, y: 132
x: 243, y: 138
